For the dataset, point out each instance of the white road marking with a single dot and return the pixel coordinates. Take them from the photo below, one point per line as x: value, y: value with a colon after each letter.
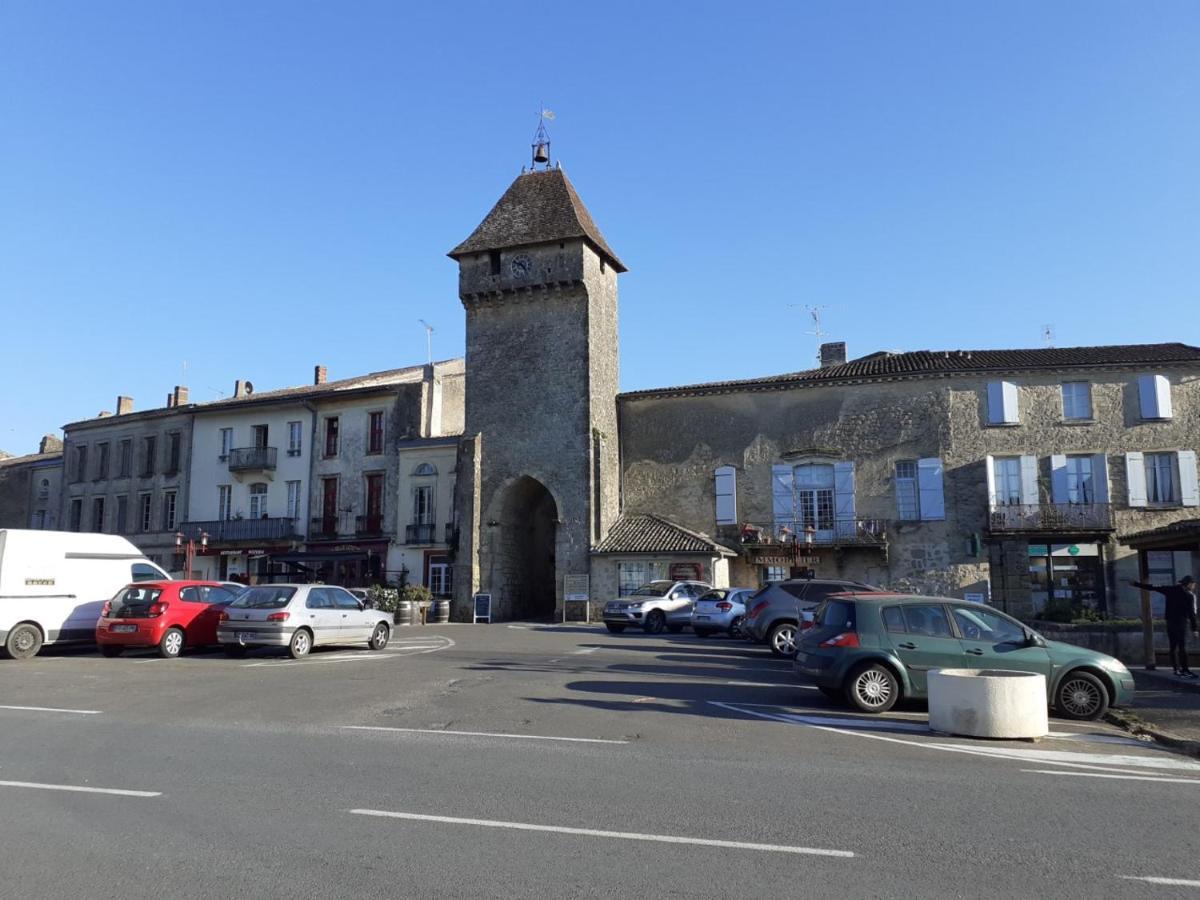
x: 358, y: 657
x: 1158, y: 879
x: 490, y: 734
x: 803, y: 687
x: 426, y: 646
x: 79, y: 789
x: 583, y: 650
x: 1116, y: 776
x: 55, y: 709
x: 595, y: 832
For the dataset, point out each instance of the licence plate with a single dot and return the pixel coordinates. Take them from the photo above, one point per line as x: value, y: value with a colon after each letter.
x: 245, y: 636
x: 123, y: 629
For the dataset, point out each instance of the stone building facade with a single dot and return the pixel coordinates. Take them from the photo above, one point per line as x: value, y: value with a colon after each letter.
x: 31, y: 487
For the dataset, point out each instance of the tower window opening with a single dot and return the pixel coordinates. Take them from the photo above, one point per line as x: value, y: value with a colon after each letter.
x: 494, y: 261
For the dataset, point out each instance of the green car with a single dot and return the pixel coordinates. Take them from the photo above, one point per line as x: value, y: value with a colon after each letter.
x: 875, y: 649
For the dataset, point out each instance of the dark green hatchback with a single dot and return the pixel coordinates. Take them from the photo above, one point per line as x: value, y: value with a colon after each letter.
x: 872, y: 650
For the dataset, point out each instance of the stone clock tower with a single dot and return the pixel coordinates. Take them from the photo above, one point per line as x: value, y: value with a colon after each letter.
x: 538, y: 473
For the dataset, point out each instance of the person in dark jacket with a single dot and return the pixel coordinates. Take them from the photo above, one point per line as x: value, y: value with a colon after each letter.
x: 1180, y: 612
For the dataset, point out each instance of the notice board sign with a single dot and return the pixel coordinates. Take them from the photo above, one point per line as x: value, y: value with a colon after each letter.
x: 576, y: 589
x: 482, y: 609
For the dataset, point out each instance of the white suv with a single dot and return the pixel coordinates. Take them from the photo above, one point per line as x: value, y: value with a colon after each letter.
x: 655, y: 606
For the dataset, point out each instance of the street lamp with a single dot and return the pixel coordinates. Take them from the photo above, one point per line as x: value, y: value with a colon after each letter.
x: 190, y: 551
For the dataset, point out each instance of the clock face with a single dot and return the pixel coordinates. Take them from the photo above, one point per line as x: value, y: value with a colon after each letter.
x: 520, y: 266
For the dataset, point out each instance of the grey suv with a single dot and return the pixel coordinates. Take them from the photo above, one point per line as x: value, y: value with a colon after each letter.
x: 655, y: 606
x: 773, y: 615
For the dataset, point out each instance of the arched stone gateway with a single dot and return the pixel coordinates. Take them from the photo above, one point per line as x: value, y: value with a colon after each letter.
x: 525, y: 552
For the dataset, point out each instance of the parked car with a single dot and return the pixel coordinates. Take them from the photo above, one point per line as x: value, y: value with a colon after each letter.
x: 773, y: 614
x: 300, y: 617
x: 53, y: 584
x: 655, y: 606
x: 874, y: 650
x: 721, y: 609
x: 168, y: 615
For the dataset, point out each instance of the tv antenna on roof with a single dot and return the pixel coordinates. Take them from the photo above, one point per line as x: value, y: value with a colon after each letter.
x: 428, y: 339
x: 1048, y: 335
x: 814, y: 312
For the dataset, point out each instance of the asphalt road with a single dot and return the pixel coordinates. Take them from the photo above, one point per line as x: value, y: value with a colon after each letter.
x: 500, y: 761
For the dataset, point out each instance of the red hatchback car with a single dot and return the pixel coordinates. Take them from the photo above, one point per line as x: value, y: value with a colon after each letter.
x: 167, y: 615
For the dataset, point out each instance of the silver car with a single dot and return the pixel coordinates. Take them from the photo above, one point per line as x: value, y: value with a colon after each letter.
x: 300, y: 617
x: 721, y: 609
x: 655, y: 606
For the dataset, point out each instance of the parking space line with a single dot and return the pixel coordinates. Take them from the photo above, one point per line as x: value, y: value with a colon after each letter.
x: 489, y: 734
x: 781, y: 684
x: 595, y: 832
x: 79, y: 789
x: 1115, y: 776
x: 55, y: 709
x: 1158, y: 879
x: 309, y: 661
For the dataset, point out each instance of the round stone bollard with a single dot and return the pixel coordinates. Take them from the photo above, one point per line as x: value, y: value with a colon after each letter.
x: 441, y: 612
x: 404, y: 612
x: 988, y: 703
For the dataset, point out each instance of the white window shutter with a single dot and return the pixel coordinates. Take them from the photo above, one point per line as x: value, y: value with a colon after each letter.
x: 1189, y: 494
x: 843, y: 492
x: 1058, y: 478
x: 725, y: 479
x: 782, y: 504
x: 929, y: 482
x: 990, y: 464
x: 1100, y: 478
x: 1029, y: 481
x: 1012, y: 413
x: 1162, y: 393
x: 1154, y: 396
x: 1135, y: 477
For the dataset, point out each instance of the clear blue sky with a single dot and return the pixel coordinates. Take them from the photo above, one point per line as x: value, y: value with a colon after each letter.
x: 259, y: 187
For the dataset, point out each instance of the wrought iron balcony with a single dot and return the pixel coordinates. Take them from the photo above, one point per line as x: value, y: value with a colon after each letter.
x: 252, y: 459
x: 1052, y: 517
x: 368, y: 525
x: 836, y: 532
x: 324, y: 527
x: 420, y: 533
x: 273, y: 529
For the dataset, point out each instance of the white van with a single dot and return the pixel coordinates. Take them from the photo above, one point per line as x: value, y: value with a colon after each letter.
x: 53, y: 584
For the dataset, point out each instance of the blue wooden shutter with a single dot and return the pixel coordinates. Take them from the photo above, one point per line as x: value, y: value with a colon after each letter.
x: 782, y: 502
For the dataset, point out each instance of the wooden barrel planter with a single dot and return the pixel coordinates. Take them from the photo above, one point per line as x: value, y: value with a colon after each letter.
x: 441, y: 612
x: 405, y: 614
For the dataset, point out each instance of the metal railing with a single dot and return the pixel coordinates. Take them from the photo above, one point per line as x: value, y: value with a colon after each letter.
x: 323, y: 526
x: 274, y: 529
x: 252, y: 458
x: 1052, y: 517
x: 370, y: 524
x: 838, y: 531
x: 420, y: 533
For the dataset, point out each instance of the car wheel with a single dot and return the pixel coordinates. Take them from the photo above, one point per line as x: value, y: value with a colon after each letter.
x: 782, y: 639
x: 24, y: 641
x: 111, y: 650
x: 236, y: 650
x: 831, y: 693
x: 300, y: 643
x: 614, y: 629
x: 674, y: 629
x: 655, y: 622
x: 379, y: 638
x: 735, y: 628
x: 1081, y: 695
x: 171, y: 644
x: 872, y: 688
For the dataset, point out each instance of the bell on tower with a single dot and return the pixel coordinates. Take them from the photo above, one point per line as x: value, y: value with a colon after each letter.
x: 541, y: 140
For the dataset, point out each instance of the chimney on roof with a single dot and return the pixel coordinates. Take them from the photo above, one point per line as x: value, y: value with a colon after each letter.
x: 50, y: 444
x: 181, y: 395
x: 242, y: 389
x: 320, y: 373
x: 170, y: 400
x: 833, y: 354
x: 124, y: 406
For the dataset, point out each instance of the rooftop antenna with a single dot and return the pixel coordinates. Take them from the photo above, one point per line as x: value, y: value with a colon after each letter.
x: 1048, y: 335
x: 220, y: 393
x: 541, y: 139
x: 183, y: 372
x: 814, y: 312
x: 428, y: 339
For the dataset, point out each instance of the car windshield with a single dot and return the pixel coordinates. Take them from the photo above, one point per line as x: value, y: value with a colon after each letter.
x: 653, y: 589
x: 264, y: 598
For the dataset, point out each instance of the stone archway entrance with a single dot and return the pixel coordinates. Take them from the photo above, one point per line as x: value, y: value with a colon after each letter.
x: 526, y: 565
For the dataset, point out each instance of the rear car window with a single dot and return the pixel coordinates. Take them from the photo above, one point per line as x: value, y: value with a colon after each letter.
x: 835, y: 614
x: 264, y: 598
x: 796, y: 590
x: 927, y: 620
x: 893, y: 619
x: 714, y: 595
x: 135, y: 597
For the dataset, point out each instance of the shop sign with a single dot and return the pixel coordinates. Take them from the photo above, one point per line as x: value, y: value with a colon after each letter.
x: 686, y: 571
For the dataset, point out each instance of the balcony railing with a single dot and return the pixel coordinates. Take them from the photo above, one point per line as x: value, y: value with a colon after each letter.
x: 252, y: 459
x: 1052, y: 517
x: 324, y: 527
x: 836, y: 532
x: 276, y: 529
x: 368, y: 525
x: 420, y: 533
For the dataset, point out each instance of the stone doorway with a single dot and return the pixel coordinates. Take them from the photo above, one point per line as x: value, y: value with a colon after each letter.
x: 527, y: 565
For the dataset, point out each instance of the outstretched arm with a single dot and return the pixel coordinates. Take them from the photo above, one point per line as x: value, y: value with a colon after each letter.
x: 1149, y: 587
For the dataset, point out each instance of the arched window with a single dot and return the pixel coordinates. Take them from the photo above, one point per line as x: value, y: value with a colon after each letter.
x: 425, y: 469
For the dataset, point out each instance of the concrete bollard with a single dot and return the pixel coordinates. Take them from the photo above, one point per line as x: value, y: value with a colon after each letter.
x: 988, y: 703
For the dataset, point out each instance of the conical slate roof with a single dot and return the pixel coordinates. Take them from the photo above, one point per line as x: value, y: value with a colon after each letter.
x: 538, y: 208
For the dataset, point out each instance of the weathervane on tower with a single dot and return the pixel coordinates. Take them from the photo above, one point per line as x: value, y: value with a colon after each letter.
x: 541, y: 139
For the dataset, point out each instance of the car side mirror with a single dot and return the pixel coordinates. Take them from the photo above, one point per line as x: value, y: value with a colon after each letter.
x: 1032, y: 639
x: 362, y: 605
